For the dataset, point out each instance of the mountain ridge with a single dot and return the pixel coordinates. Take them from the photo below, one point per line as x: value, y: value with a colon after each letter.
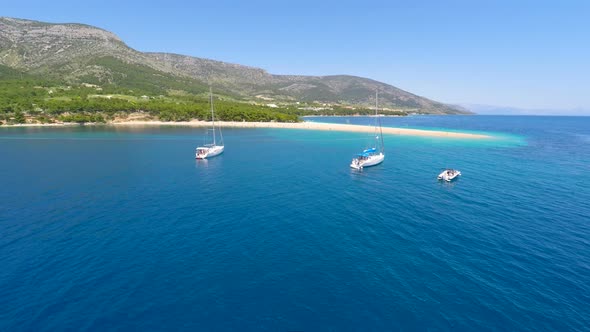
x: 70, y: 51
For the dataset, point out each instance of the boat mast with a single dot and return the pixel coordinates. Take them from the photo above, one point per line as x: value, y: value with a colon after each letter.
x: 212, y: 115
x: 378, y: 119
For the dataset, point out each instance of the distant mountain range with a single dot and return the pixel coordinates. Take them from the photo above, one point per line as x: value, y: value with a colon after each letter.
x: 78, y: 53
x: 507, y: 110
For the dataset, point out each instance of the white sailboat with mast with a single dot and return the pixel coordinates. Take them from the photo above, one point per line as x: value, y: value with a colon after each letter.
x: 212, y: 149
x: 373, y: 155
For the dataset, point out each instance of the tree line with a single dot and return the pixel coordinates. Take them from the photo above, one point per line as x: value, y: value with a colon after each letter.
x: 46, y: 101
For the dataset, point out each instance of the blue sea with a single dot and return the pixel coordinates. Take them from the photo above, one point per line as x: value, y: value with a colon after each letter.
x: 121, y: 229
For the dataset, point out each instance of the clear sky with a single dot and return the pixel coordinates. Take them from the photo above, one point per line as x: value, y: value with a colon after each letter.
x: 519, y: 53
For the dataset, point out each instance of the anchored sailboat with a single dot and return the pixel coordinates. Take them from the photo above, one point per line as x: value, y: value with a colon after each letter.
x: 371, y: 156
x: 213, y: 149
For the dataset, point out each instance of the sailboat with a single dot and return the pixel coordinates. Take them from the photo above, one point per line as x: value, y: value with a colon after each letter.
x: 213, y: 149
x: 373, y: 155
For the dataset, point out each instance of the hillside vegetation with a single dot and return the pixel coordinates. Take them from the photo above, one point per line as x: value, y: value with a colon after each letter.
x: 75, y: 72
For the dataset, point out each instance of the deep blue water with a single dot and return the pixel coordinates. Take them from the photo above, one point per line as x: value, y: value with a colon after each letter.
x: 121, y: 229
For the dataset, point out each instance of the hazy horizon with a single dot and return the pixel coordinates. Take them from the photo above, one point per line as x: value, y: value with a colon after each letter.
x: 509, y: 110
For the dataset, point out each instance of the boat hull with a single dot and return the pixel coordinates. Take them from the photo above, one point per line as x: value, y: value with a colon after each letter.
x: 370, y: 161
x: 446, y: 176
x: 209, y: 152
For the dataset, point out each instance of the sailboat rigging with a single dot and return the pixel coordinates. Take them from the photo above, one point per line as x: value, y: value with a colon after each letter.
x: 212, y: 149
x: 373, y: 155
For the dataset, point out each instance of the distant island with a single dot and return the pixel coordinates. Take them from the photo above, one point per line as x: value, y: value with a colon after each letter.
x: 75, y: 73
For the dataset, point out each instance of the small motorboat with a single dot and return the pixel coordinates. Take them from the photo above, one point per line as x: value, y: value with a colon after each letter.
x: 449, y: 174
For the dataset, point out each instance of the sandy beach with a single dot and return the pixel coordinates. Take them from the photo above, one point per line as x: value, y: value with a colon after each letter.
x: 301, y: 125
x: 309, y: 126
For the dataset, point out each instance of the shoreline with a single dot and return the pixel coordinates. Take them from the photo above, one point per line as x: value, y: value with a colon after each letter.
x: 339, y: 127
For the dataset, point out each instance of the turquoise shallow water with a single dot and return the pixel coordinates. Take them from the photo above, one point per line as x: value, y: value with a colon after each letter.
x: 107, y: 228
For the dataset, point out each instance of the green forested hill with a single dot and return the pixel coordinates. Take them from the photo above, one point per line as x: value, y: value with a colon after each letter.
x: 51, y: 71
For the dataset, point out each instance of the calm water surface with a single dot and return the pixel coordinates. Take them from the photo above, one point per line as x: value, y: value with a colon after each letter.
x: 106, y: 228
